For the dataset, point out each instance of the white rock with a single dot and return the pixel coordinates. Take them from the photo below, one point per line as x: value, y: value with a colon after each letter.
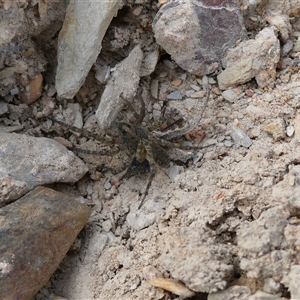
x: 149, y: 63
x: 140, y: 221
x: 79, y: 42
x: 254, y: 58
x: 230, y: 95
x: 290, y: 130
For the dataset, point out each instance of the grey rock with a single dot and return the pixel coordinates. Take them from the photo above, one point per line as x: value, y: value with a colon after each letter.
x: 154, y: 88
x: 27, y: 162
x: 230, y: 95
x: 233, y: 293
x: 149, y: 63
x: 10, y: 24
x: 139, y: 221
x: 123, y: 83
x: 287, y: 48
x: 186, y: 31
x: 240, y: 137
x: 174, y: 171
x: 254, y: 58
x: 3, y: 108
x: 174, y: 96
x: 79, y: 46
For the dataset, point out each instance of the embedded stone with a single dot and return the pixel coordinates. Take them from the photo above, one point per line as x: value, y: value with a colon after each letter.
x: 36, y: 232
x: 197, y: 34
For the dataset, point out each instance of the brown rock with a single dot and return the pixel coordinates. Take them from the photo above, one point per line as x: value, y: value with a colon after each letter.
x: 35, y: 90
x: 36, y: 232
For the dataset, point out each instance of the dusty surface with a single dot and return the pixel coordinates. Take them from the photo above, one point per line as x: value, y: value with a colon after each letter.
x: 230, y: 215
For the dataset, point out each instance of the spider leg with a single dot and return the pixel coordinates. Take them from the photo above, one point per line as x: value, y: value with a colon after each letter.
x: 147, y: 189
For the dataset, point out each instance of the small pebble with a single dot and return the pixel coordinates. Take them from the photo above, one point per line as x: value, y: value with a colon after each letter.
x: 240, y: 116
x: 107, y: 185
x: 230, y: 96
x: 174, y: 96
x: 221, y: 138
x: 139, y: 221
x: 290, y: 130
x: 189, y: 93
x: 14, y: 91
x: 169, y: 64
x: 163, y: 74
x: 3, y: 108
x: 276, y: 128
x: 240, y: 137
x: 195, y: 87
x: 176, y: 82
x: 154, y: 88
x: 197, y: 157
x: 89, y: 189
x: 106, y: 225
x: 199, y: 94
x: 172, y: 286
x: 174, y: 171
x: 249, y: 93
x: 228, y: 143
x: 156, y: 106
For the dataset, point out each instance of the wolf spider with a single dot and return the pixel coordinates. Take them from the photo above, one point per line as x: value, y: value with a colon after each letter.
x: 147, y: 146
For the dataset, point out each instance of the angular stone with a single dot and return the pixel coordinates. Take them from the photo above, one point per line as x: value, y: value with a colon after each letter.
x: 79, y: 42
x: 123, y: 83
x: 198, y: 33
x: 27, y: 162
x: 36, y: 232
x: 254, y: 58
x: 240, y: 137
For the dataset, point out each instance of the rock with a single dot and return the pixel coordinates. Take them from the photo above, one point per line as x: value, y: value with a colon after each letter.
x: 34, y: 90
x: 290, y: 130
x: 123, y: 83
x: 259, y: 295
x: 172, y: 286
x: 276, y: 129
x: 186, y: 31
x: 287, y: 48
x: 3, y: 108
x: 230, y: 96
x: 26, y: 162
x: 174, y: 96
x: 254, y: 58
x: 292, y: 281
x: 139, y: 221
x: 77, y: 50
x: 154, y: 88
x: 149, y: 63
x: 233, y: 293
x: 282, y: 24
x: 36, y: 233
x: 10, y: 24
x: 240, y: 137
x: 201, y: 264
